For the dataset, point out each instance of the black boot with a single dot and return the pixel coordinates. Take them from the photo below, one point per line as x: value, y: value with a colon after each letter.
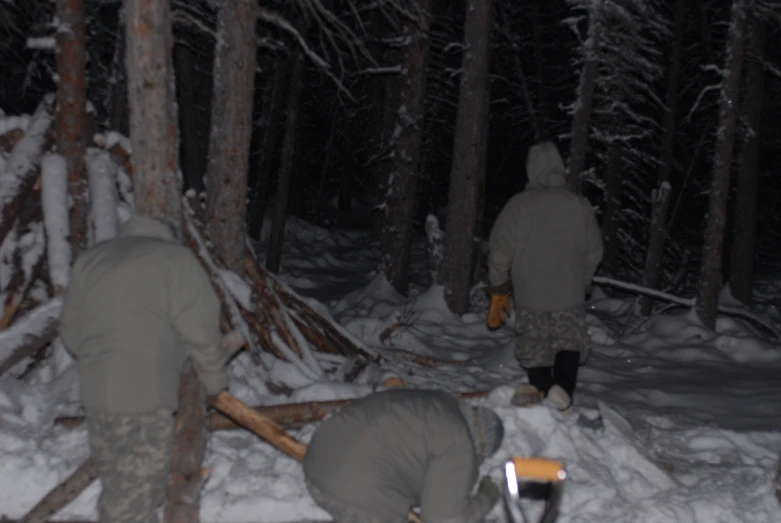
x: 565, y: 370
x: 541, y: 377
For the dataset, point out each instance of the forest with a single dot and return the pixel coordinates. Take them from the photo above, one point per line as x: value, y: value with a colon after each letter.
x: 406, y: 119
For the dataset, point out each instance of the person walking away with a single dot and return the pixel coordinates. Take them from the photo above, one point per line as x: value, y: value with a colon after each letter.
x: 546, y: 245
x: 136, y: 308
x: 382, y: 454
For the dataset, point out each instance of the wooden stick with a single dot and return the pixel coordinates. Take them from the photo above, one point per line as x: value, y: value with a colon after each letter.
x: 63, y: 493
x: 259, y: 424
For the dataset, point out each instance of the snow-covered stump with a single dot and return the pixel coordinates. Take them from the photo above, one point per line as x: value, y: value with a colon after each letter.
x: 56, y: 219
x: 102, y: 173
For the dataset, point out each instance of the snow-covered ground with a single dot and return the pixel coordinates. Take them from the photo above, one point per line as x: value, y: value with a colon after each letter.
x: 688, y: 424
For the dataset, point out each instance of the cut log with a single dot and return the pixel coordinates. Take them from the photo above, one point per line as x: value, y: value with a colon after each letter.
x: 9, y: 139
x: 259, y: 424
x: 187, y: 475
x: 63, y: 493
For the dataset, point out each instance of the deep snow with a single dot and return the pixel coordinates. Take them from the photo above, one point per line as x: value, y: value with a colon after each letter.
x: 689, y: 428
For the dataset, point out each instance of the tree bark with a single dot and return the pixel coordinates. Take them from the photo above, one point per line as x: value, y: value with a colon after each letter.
x: 71, y: 116
x: 466, y: 175
x: 396, y: 238
x: 231, y: 129
x: 710, y: 271
x: 582, y: 116
x: 743, y: 247
x: 153, y: 131
x: 652, y: 274
x: 295, y: 86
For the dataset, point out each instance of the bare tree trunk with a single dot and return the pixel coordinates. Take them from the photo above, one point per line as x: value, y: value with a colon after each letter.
x: 614, y: 188
x: 582, y: 116
x: 541, y: 111
x: 117, y: 103
x: 295, y: 85
x: 71, y: 117
x: 157, y: 181
x: 402, y: 183
x: 743, y: 247
x: 652, y: 275
x: 466, y: 175
x: 710, y: 272
x: 233, y: 96
x: 192, y: 165
x: 267, y: 148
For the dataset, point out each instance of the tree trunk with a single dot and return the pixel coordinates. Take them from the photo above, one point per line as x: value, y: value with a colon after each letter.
x: 582, y: 116
x: 117, y: 103
x: 267, y: 150
x: 614, y: 188
x: 541, y: 110
x: 402, y: 183
x: 743, y: 247
x: 652, y: 275
x: 71, y: 117
x: 466, y: 175
x: 231, y: 128
x: 710, y: 272
x: 295, y: 86
x: 157, y: 181
x: 192, y: 165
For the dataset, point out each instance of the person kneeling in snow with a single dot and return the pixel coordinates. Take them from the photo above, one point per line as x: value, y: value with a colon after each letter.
x: 137, y: 306
x: 547, y: 241
x: 383, y: 454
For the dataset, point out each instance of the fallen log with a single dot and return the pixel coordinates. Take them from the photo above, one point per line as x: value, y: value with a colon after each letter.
x: 187, y: 476
x: 21, y: 169
x: 63, y: 493
x: 288, y: 415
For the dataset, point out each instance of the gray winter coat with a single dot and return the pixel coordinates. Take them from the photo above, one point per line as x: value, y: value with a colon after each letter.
x: 137, y: 306
x: 393, y: 450
x: 546, y: 239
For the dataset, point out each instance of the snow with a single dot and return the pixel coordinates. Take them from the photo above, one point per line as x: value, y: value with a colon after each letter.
x: 31, y: 324
x: 56, y: 217
x: 674, y: 424
x: 102, y: 174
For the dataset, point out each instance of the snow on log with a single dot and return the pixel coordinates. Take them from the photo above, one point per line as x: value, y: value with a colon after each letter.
x: 102, y: 173
x: 19, y: 176
x: 29, y: 334
x: 56, y: 218
x: 62, y: 494
x: 27, y: 263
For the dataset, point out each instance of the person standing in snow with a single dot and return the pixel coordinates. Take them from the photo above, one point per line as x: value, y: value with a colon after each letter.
x: 547, y: 242
x: 383, y: 454
x: 137, y: 306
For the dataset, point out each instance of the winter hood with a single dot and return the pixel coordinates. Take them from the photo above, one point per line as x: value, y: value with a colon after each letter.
x: 544, y: 166
x: 148, y: 227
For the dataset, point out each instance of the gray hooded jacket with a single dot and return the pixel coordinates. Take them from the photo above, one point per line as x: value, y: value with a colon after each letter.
x: 137, y: 306
x: 393, y: 450
x: 546, y: 239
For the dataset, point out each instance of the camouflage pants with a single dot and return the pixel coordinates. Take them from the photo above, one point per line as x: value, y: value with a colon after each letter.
x: 342, y: 512
x: 542, y: 335
x: 133, y: 456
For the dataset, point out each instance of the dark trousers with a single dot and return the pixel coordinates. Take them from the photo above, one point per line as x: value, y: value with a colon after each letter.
x: 563, y: 373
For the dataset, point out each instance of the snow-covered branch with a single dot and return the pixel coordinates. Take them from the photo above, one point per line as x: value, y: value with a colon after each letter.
x: 56, y: 218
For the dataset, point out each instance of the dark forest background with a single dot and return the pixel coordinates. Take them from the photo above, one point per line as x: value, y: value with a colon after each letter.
x: 657, y: 106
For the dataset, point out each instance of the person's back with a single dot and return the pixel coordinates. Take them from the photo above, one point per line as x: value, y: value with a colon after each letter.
x: 549, y: 236
x: 392, y: 450
x: 137, y: 306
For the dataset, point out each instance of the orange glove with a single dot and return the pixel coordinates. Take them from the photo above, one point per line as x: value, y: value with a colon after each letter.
x: 499, y: 310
